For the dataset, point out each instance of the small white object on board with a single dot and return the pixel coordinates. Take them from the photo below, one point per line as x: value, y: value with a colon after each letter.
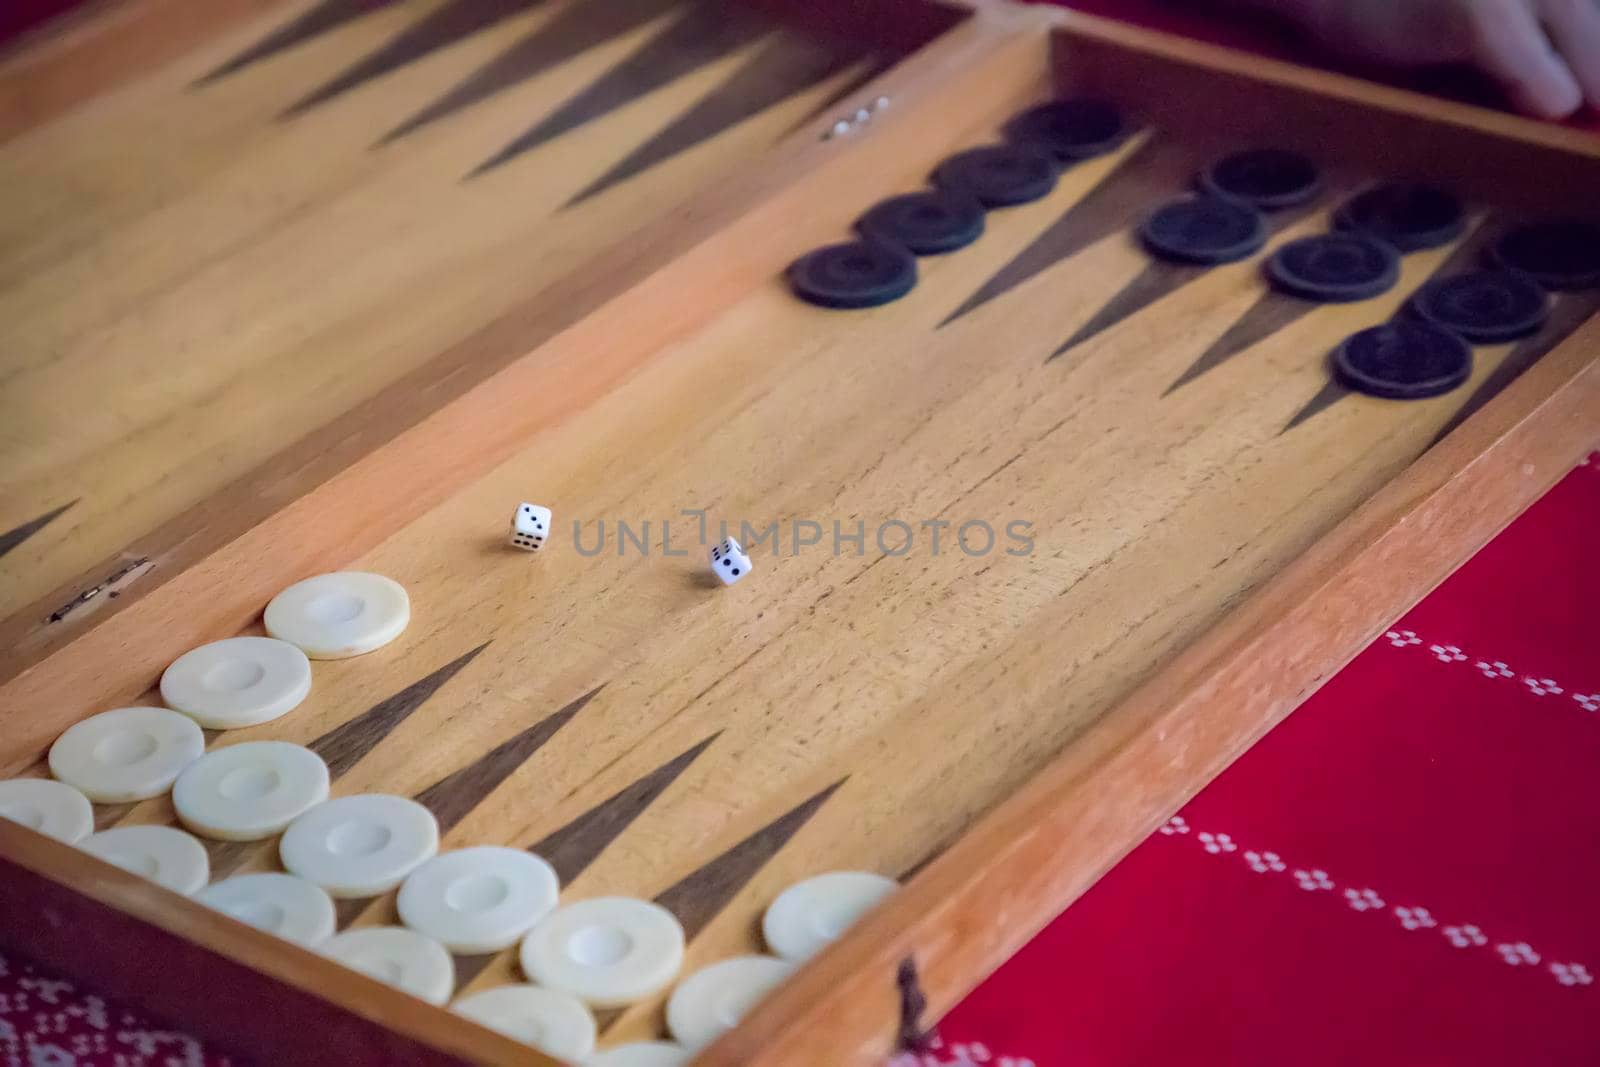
x: 339, y: 615
x: 403, y: 958
x: 127, y: 754
x: 249, y: 791
x: 239, y: 681
x: 165, y: 855
x: 608, y: 952
x: 712, y: 1000
x: 809, y: 915
x: 360, y: 846
x: 641, y: 1054
x: 478, y: 899
x: 556, y: 1024
x: 729, y: 561
x: 281, y: 904
x: 54, y: 809
x: 530, y: 527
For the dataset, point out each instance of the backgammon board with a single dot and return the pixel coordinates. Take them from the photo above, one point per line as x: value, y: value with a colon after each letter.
x: 298, y: 287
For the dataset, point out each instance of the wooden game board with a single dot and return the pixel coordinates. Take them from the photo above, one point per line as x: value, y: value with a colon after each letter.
x: 260, y: 335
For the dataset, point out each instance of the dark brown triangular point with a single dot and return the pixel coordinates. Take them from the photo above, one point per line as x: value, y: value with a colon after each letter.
x: 1468, y: 255
x: 573, y: 847
x: 1151, y: 173
x: 1158, y: 278
x: 344, y: 745
x: 1162, y: 279
x: 349, y: 910
x: 1569, y: 312
x: 226, y: 856
x: 444, y: 26
x: 1271, y: 312
x: 698, y: 898
x: 18, y: 534
x: 324, y: 18
x: 1326, y: 397
x: 1275, y: 311
x: 700, y: 36
x: 108, y: 815
x: 452, y: 797
x: 574, y: 30
x: 918, y: 867
x: 786, y: 65
x: 469, y: 967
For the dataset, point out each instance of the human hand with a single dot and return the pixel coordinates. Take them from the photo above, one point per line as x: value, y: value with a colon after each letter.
x: 1546, y: 53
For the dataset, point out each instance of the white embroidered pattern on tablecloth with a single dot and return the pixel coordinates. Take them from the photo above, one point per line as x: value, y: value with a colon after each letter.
x: 958, y: 1054
x: 47, y: 1022
x: 1362, y: 899
x: 1496, y: 670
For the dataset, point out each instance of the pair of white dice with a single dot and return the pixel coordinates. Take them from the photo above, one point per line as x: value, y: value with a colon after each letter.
x: 529, y: 527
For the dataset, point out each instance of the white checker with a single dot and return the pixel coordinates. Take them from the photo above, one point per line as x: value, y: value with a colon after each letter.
x: 281, y: 904
x: 478, y: 899
x: 249, y: 791
x: 339, y: 615
x: 641, y: 1054
x: 403, y: 958
x: 54, y: 809
x: 712, y: 1000
x: 607, y: 952
x: 554, y: 1023
x: 360, y: 846
x: 127, y: 754
x: 809, y: 915
x: 240, y: 681
x: 167, y: 856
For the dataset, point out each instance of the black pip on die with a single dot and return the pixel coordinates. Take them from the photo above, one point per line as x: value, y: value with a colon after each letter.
x: 529, y: 527
x: 729, y: 561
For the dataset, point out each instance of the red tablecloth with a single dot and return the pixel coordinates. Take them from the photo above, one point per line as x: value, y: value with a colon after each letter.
x: 46, y: 1022
x: 1405, y: 872
x: 16, y: 16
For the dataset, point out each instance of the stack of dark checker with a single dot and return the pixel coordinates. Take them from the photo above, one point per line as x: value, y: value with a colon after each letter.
x: 1426, y: 351
x: 881, y: 266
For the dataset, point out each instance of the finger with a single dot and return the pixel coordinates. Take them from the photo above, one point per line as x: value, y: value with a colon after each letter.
x: 1575, y: 27
x: 1509, y: 42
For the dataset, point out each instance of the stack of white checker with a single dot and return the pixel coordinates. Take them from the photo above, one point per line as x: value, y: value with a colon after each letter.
x: 242, y: 792
x: 606, y: 952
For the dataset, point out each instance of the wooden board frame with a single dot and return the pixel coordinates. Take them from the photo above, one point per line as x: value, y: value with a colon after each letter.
x: 94, y: 49
x: 1023, y: 862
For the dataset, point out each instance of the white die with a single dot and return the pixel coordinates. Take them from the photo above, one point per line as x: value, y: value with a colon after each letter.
x: 529, y: 527
x: 729, y: 561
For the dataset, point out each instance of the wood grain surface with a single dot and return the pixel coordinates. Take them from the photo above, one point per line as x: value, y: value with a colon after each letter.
x: 1005, y: 716
x: 237, y: 249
